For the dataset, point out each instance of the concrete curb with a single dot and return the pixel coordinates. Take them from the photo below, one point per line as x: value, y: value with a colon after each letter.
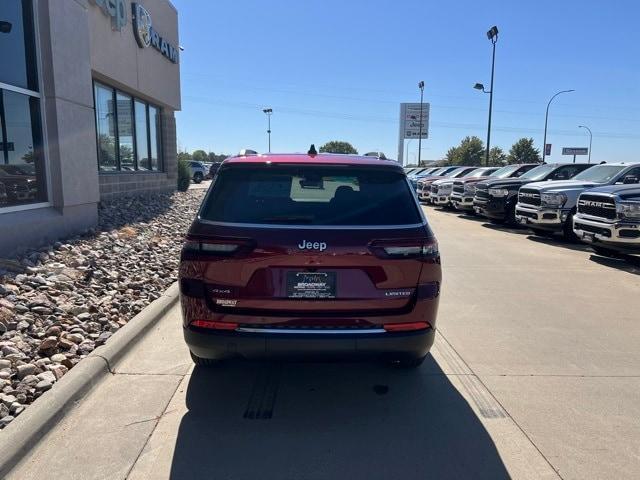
x: 31, y: 426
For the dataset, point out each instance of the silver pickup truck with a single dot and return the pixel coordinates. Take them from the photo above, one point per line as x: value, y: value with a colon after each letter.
x: 608, y: 218
x: 549, y: 207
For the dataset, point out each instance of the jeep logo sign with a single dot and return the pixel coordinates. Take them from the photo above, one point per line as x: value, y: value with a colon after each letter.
x: 305, y: 245
x: 146, y: 36
x: 115, y: 9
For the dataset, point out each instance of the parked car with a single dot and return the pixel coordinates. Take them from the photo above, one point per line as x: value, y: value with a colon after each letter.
x: 548, y: 208
x: 423, y: 184
x: 213, y: 169
x: 464, y: 189
x: 198, y: 171
x: 608, y: 218
x: 19, y: 182
x: 441, y: 190
x: 310, y: 255
x: 496, y: 199
x: 4, y: 198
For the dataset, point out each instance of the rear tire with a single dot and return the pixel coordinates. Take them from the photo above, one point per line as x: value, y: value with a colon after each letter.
x: 198, y: 177
x: 409, y: 363
x: 203, y: 362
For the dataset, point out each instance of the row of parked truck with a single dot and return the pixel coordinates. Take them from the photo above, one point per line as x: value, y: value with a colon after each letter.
x: 597, y: 204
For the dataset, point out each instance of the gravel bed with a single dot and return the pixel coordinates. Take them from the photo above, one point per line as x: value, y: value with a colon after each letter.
x: 58, y: 303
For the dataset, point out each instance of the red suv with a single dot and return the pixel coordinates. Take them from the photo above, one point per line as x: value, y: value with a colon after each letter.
x: 310, y: 256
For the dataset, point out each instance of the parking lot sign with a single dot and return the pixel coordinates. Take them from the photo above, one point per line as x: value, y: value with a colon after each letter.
x: 410, y: 120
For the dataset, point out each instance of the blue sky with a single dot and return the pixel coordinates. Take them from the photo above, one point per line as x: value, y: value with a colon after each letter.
x: 337, y: 70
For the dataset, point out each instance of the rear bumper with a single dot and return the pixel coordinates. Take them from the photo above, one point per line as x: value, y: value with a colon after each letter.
x: 544, y: 218
x: 620, y: 236
x: 216, y: 344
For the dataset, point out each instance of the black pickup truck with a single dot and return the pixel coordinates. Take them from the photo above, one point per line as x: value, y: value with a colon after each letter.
x: 496, y: 199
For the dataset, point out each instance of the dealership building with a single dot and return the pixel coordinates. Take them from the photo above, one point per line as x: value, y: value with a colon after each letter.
x: 88, y: 91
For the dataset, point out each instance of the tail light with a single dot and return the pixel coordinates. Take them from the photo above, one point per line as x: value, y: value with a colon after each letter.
x: 406, y: 327
x: 215, y: 247
x: 405, y: 249
x: 214, y: 325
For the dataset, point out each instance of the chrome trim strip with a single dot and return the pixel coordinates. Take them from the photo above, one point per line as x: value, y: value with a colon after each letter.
x: 306, y: 331
x: 312, y: 227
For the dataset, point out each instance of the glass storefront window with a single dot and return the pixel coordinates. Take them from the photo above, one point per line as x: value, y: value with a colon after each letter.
x: 142, y: 143
x: 17, y: 53
x: 128, y: 132
x: 125, y: 131
x: 22, y: 176
x: 105, y: 125
x: 154, y: 129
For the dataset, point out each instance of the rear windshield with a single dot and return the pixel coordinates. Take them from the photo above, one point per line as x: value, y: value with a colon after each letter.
x: 311, y: 195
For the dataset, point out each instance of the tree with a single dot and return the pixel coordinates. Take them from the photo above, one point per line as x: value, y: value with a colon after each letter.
x: 452, y: 156
x: 497, y: 157
x: 469, y: 152
x: 200, y: 156
x: 523, y: 151
x: 337, y: 146
x: 184, y: 156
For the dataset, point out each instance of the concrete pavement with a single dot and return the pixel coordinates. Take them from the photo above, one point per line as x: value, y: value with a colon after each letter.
x: 535, y: 374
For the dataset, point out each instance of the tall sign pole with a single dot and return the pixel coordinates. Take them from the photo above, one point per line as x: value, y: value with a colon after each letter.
x: 421, y: 87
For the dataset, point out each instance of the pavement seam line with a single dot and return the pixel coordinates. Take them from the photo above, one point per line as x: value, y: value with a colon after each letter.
x: 503, y: 408
x: 164, y: 411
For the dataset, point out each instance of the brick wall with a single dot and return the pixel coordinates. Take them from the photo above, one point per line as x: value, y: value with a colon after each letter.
x: 139, y: 183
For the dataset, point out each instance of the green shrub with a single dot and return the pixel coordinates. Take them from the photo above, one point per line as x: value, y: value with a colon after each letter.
x: 184, y: 175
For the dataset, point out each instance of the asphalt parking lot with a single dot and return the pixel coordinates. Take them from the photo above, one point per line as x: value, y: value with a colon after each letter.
x: 535, y: 374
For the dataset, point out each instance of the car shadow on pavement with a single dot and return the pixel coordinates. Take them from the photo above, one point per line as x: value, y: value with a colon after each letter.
x: 628, y: 263
x: 468, y: 216
x: 560, y: 242
x: 330, y: 420
x: 507, y: 228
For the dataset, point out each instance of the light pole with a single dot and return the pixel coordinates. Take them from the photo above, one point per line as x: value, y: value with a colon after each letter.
x: 421, y: 87
x: 492, y: 35
x: 546, y: 121
x: 590, y: 139
x: 268, y: 113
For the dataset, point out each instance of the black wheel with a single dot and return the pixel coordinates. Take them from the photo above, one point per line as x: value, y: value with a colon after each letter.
x: 197, y: 177
x: 409, y: 362
x: 567, y: 229
x: 203, y: 362
x: 541, y: 233
x: 605, y: 252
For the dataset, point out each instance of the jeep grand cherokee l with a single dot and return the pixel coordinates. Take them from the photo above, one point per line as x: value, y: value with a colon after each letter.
x: 310, y: 255
x: 464, y: 190
x: 549, y: 207
x: 496, y: 199
x: 608, y: 218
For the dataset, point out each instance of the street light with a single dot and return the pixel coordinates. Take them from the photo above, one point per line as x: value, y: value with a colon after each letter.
x: 268, y: 113
x: 492, y: 35
x: 590, y: 139
x: 421, y: 87
x: 546, y: 121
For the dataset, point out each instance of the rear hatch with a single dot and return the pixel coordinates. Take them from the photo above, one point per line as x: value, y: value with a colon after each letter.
x: 311, y: 240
